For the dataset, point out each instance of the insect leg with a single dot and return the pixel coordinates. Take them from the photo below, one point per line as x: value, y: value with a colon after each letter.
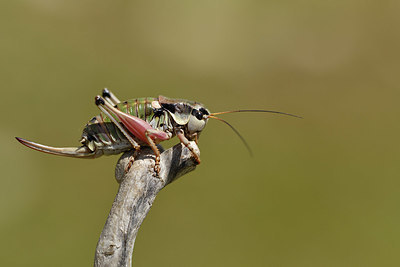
x: 100, y: 104
x: 149, y: 133
x: 185, y: 141
x: 110, y: 97
x: 141, y: 129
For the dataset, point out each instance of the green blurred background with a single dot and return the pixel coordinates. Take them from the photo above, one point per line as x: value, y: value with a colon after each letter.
x: 322, y: 191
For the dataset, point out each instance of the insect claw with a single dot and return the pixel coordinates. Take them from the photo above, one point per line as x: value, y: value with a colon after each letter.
x: 157, y: 167
x: 157, y: 170
x: 130, y: 163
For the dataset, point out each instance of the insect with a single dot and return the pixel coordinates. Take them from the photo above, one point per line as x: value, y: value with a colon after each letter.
x: 122, y: 126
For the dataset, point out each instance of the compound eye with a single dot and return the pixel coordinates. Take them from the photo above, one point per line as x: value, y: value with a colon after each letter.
x: 198, y: 114
x: 204, y: 111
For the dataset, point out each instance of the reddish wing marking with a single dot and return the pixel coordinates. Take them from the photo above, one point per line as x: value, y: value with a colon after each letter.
x: 136, y: 126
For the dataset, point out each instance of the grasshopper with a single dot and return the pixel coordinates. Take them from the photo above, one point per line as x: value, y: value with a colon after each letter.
x: 138, y: 122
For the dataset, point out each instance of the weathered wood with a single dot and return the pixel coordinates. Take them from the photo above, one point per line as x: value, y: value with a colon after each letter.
x: 136, y: 194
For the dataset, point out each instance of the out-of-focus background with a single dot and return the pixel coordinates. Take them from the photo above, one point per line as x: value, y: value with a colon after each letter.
x: 319, y: 191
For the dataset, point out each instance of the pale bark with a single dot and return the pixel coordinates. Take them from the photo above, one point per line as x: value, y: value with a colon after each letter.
x: 136, y: 194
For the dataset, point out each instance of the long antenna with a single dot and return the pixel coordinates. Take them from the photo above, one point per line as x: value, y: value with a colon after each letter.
x: 236, y: 131
x: 255, y: 110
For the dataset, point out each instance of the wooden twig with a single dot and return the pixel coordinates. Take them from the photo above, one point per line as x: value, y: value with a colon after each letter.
x: 137, y: 191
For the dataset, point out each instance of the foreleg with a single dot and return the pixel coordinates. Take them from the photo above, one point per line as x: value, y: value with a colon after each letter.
x: 180, y: 134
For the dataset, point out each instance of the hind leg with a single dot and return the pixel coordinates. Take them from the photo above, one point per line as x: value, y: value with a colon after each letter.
x: 100, y: 104
x: 110, y: 97
x: 139, y: 128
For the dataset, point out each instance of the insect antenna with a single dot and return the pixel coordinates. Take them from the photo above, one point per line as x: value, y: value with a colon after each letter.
x: 255, y: 110
x: 236, y: 131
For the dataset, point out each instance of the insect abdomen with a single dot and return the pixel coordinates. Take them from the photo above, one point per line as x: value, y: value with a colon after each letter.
x: 143, y: 109
x: 139, y: 107
x: 103, y: 135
